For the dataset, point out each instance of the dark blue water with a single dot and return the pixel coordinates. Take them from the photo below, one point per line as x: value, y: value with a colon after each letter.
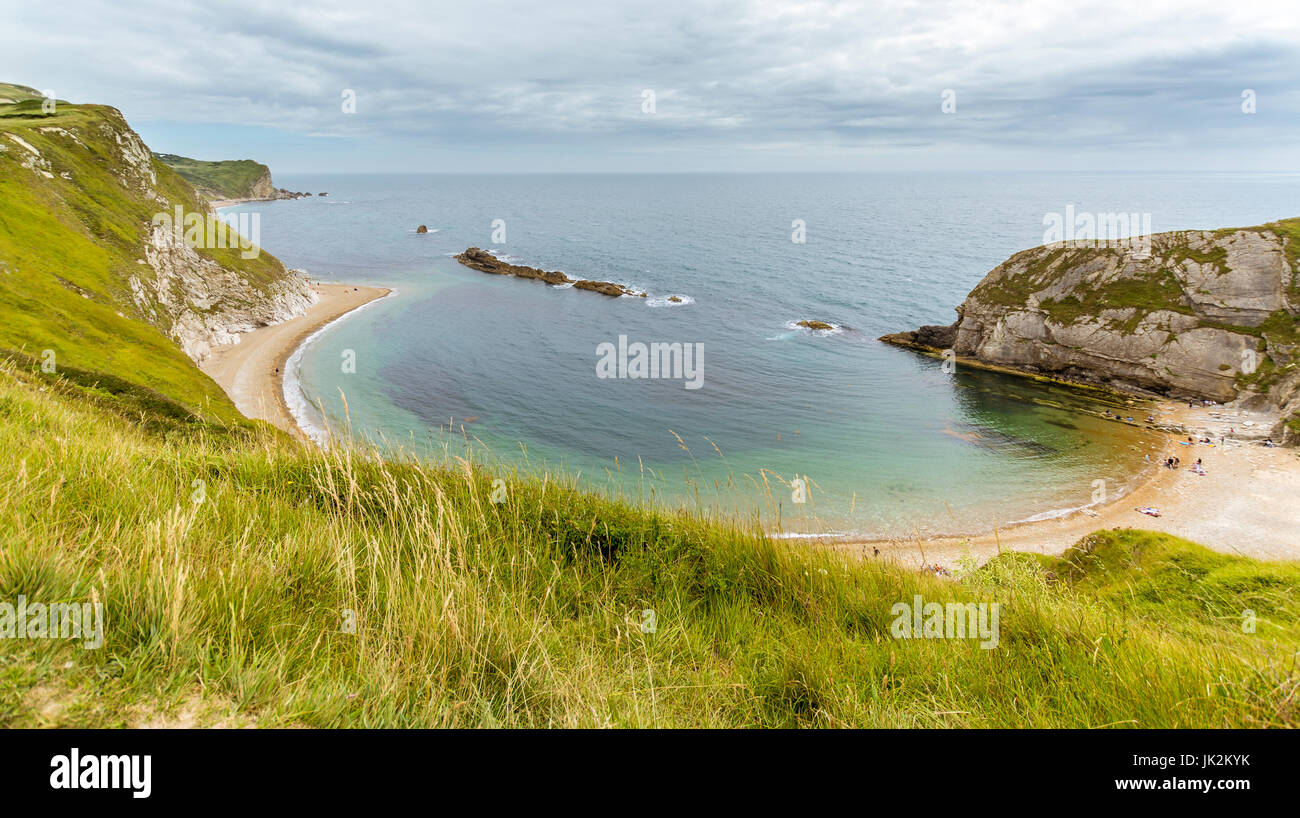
x: 884, y: 439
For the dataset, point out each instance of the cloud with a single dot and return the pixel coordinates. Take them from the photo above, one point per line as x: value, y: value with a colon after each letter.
x: 799, y: 81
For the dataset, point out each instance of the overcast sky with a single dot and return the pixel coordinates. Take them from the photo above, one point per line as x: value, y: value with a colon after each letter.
x: 485, y: 85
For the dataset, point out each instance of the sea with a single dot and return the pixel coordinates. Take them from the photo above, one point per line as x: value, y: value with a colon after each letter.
x: 802, y: 432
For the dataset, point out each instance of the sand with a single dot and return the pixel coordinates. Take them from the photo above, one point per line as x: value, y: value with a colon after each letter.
x: 252, y: 371
x: 1248, y: 502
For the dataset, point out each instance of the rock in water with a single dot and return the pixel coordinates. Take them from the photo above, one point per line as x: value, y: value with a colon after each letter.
x: 485, y: 262
x: 422, y: 229
x: 815, y: 325
x: 602, y: 287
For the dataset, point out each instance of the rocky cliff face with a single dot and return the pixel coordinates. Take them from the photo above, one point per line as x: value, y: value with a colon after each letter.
x: 200, y: 299
x: 1203, y: 314
x: 202, y: 304
x: 80, y: 215
x: 262, y: 187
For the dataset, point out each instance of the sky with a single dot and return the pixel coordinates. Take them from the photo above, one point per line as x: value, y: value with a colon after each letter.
x: 669, y: 86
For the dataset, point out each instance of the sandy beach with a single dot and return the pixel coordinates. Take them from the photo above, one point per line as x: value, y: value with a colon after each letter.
x: 1247, y: 503
x: 252, y: 371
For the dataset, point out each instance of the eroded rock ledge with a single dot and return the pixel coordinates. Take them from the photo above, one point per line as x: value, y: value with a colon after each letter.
x: 1205, y: 315
x: 483, y: 261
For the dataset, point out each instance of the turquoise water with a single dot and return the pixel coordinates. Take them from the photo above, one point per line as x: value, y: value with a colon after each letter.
x: 884, y: 438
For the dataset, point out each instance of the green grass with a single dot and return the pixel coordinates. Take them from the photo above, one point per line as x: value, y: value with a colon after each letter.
x: 1181, y: 584
x: 528, y: 612
x: 228, y: 557
x: 18, y: 93
x: 70, y: 246
x: 225, y: 179
x: 1143, y: 294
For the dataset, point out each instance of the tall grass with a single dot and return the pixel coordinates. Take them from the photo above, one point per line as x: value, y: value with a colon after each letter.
x: 231, y: 563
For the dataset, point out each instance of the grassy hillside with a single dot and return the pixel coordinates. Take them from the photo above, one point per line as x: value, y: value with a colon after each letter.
x: 226, y: 179
x: 75, y: 213
x: 18, y: 93
x: 248, y: 579
x: 228, y: 567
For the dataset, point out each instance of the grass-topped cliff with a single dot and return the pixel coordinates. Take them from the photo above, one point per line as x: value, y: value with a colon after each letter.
x: 255, y: 581
x: 224, y: 179
x: 87, y: 275
x: 1199, y: 314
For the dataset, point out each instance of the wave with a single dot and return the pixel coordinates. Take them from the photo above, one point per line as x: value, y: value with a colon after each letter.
x: 793, y: 330
x: 836, y: 329
x: 302, y: 409
x: 1058, y: 513
x: 666, y: 300
x: 795, y: 535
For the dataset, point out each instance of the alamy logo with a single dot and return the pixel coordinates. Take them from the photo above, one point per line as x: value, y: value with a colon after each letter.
x: 205, y: 231
x: 1101, y: 229
x: 37, y: 620
x: 951, y: 620
x: 91, y: 772
x: 657, y: 360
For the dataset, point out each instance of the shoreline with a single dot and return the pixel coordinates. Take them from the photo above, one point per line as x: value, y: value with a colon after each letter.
x: 217, y: 204
x: 252, y: 371
x: 1240, y: 506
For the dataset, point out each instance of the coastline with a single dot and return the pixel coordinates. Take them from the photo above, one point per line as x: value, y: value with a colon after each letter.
x: 217, y: 204
x: 252, y: 371
x: 1241, y: 505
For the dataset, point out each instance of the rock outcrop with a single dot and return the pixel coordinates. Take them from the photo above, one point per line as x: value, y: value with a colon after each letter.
x: 817, y: 326
x: 230, y: 180
x: 201, y: 303
x: 485, y: 262
x: 1204, y: 314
